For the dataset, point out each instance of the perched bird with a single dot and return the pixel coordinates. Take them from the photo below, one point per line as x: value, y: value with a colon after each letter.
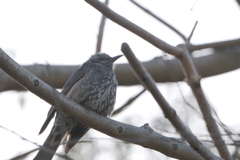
x: 93, y: 86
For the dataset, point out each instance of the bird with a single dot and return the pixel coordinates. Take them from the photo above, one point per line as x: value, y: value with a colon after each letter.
x: 93, y: 85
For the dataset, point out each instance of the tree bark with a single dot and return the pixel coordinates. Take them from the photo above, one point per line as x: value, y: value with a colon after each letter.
x: 221, y: 61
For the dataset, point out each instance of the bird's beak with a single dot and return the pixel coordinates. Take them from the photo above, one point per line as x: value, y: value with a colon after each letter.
x: 113, y: 59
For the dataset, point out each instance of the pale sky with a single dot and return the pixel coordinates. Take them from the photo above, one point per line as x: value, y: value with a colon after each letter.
x: 64, y: 32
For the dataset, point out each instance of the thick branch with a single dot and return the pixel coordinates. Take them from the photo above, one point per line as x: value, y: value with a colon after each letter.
x: 214, y: 45
x: 223, y: 60
x: 193, y: 80
x: 168, y: 111
x: 143, y: 136
x: 133, y: 27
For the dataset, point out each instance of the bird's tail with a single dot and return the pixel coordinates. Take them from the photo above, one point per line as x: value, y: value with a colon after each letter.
x: 51, y: 144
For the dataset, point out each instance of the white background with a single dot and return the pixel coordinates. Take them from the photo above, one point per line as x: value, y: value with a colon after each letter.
x: 65, y: 32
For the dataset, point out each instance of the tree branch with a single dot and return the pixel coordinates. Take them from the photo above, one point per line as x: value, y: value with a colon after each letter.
x: 130, y: 101
x: 133, y: 27
x: 100, y: 32
x: 221, y: 61
x: 193, y: 80
x: 191, y: 34
x: 24, y: 155
x: 148, y: 82
x: 143, y: 136
x: 160, y: 19
x: 25, y: 139
x: 221, y: 44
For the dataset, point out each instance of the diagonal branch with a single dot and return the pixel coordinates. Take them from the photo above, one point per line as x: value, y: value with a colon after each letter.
x: 100, y: 32
x: 160, y: 19
x: 169, y: 112
x: 193, y: 80
x: 133, y: 27
x: 143, y: 136
x: 130, y: 100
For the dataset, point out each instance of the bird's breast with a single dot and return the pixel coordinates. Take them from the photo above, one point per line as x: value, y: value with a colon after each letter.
x: 96, y: 91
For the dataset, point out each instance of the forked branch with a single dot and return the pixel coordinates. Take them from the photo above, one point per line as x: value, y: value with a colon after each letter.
x: 169, y: 112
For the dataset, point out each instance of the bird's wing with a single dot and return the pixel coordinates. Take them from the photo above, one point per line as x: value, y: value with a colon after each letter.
x: 50, y: 115
x: 77, y: 75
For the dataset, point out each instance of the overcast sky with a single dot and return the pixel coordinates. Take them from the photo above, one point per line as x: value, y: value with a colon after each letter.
x: 65, y: 32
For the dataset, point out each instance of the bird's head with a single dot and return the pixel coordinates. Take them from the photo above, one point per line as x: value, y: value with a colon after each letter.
x: 104, y: 59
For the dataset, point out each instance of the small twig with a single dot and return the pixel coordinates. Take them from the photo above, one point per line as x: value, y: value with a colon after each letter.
x: 100, y: 32
x: 224, y: 127
x: 130, y: 100
x: 160, y: 19
x: 25, y: 139
x: 194, y: 5
x: 214, y: 45
x: 190, y: 36
x: 104, y: 9
x: 187, y: 103
x: 24, y: 155
x: 169, y: 112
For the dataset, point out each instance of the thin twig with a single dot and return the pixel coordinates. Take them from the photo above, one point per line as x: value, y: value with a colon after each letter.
x: 169, y: 112
x: 187, y: 103
x: 160, y: 19
x: 25, y: 139
x: 214, y: 45
x: 100, y: 32
x: 24, y: 155
x: 134, y: 28
x: 194, y: 5
x: 130, y: 101
x: 224, y: 127
x: 193, y: 80
x: 190, y: 36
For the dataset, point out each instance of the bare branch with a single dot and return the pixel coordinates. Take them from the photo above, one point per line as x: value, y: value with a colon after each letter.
x: 130, y: 101
x: 25, y: 139
x: 168, y: 111
x: 191, y: 34
x: 160, y: 19
x: 193, y: 80
x: 224, y: 127
x: 24, y: 155
x: 160, y: 69
x: 133, y: 27
x: 100, y: 32
x: 214, y: 45
x: 143, y: 136
x: 238, y: 1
